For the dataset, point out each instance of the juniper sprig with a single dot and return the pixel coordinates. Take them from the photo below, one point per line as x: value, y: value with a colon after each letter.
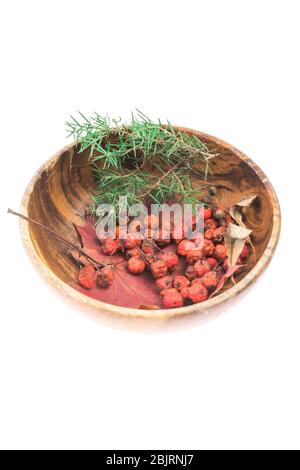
x: 143, y: 160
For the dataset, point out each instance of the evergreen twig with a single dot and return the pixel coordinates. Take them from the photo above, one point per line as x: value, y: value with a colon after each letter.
x: 143, y: 160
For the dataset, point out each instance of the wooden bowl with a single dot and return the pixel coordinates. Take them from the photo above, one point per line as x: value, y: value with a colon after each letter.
x: 60, y: 190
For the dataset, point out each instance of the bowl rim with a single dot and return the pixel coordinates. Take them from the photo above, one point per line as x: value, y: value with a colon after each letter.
x: 101, y: 307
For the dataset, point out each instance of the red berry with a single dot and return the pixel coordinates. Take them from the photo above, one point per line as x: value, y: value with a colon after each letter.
x: 220, y: 252
x: 136, y: 265
x: 133, y: 252
x: 193, y: 256
x: 209, y: 234
x: 202, y: 267
x: 148, y: 247
x: 198, y: 280
x: 180, y: 282
x: 210, y: 280
x: 184, y: 292
x: 212, y: 261
x: 185, y: 246
x: 206, y: 212
x: 208, y: 248
x: 86, y: 276
x: 167, y: 291
x: 244, y: 252
x: 105, y: 277
x: 172, y: 300
x: 132, y: 242
x: 198, y: 292
x: 210, y: 223
x: 165, y: 282
x: 158, y: 268
x: 190, y: 273
x: 171, y: 260
x: 109, y: 246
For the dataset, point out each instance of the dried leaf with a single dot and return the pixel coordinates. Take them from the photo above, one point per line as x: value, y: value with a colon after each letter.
x: 236, y: 210
x: 246, y: 201
x: 236, y: 213
x: 230, y: 271
x: 235, y: 239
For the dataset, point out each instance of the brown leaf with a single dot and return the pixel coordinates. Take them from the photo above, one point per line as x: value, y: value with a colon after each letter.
x: 235, y: 239
x: 236, y: 210
x: 246, y: 201
x: 236, y: 213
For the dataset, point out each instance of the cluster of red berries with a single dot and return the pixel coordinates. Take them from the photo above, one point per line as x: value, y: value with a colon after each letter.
x: 89, y: 276
x: 205, y: 257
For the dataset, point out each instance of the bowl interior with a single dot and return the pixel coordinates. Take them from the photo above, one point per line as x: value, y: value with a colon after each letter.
x: 59, y: 193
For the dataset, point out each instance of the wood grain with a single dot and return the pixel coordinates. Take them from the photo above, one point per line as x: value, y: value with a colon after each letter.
x: 59, y: 192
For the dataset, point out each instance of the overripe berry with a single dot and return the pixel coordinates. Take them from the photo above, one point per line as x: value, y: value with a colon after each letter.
x: 202, y: 267
x: 136, y: 265
x: 172, y: 300
x: 198, y: 293
x: 105, y: 277
x: 212, y: 262
x: 86, y: 276
x: 133, y: 252
x: 210, y: 280
x: 208, y: 247
x: 171, y: 260
x: 185, y: 246
x: 165, y: 282
x: 190, y: 273
x: 158, y: 268
x: 193, y: 256
x: 109, y: 246
x: 210, y: 223
x: 180, y: 282
x: 220, y: 252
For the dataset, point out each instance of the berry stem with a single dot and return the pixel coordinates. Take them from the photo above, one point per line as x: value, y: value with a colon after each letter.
x: 57, y: 236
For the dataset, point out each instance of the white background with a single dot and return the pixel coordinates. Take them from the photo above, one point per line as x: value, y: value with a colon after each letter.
x: 67, y: 381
